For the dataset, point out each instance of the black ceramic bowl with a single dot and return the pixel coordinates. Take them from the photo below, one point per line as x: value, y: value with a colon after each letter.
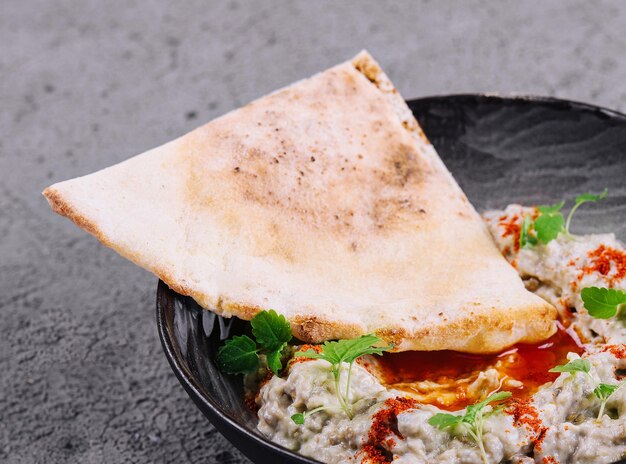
x: 501, y: 150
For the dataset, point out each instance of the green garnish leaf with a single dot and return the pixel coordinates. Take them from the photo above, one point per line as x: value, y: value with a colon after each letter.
x: 604, y: 390
x: 548, y: 226
x: 238, y: 355
x: 550, y: 222
x: 551, y: 209
x: 271, y: 330
x: 273, y: 361
x: 309, y: 354
x: 474, y: 409
x: 584, y: 198
x: 525, y: 237
x: 300, y: 417
x: 346, y: 351
x: 473, y: 419
x: 602, y: 303
x: 443, y: 420
x: 577, y: 365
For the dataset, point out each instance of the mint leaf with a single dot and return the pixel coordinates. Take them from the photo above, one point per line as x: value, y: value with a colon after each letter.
x: 525, y: 237
x: 443, y: 420
x: 548, y: 226
x: 238, y: 355
x: 577, y: 365
x: 602, y: 303
x: 271, y: 330
x: 298, y: 418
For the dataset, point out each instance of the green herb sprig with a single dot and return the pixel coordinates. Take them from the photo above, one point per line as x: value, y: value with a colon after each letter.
x: 472, y: 421
x: 240, y: 355
x: 300, y: 417
x: 577, y: 365
x: 602, y: 391
x: 527, y: 238
x: 581, y: 199
x: 337, y: 353
x: 550, y: 222
x: 603, y: 303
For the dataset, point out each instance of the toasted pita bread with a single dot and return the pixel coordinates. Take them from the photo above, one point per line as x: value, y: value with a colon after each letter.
x: 324, y: 201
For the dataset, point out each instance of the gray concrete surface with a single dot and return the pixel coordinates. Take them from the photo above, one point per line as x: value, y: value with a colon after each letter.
x: 85, y: 84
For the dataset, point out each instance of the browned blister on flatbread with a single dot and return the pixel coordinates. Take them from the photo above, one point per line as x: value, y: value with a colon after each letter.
x: 325, y: 202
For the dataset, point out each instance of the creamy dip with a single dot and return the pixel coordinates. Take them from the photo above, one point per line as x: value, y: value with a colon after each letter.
x: 557, y: 424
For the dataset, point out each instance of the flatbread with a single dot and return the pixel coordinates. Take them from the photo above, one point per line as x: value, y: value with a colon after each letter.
x: 325, y: 202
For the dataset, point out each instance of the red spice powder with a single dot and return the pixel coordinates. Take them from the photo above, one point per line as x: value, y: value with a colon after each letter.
x: 251, y: 401
x: 619, y: 351
x: 512, y: 227
x: 605, y: 259
x: 550, y: 460
x: 384, y: 426
x: 299, y: 359
x: 525, y: 414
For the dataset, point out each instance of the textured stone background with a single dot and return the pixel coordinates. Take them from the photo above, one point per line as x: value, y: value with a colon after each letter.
x: 85, y: 84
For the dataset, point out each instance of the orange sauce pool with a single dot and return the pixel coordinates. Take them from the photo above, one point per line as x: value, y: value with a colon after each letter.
x: 442, y: 378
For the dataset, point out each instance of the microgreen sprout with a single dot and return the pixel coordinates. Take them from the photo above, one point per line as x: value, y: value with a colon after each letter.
x: 344, y: 351
x: 472, y: 421
x: 602, y: 391
x: 550, y: 221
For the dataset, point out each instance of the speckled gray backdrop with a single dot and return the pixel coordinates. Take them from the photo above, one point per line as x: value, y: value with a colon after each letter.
x: 85, y: 84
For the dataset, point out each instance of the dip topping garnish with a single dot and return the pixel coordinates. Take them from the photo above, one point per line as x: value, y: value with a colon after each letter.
x: 550, y: 222
x: 240, y: 355
x: 603, y: 303
x: 337, y: 353
x: 472, y: 420
x: 300, y: 417
x: 584, y: 198
x: 577, y: 365
x: 525, y: 237
x: 608, y: 261
x: 384, y: 427
x: 602, y: 391
x: 525, y: 414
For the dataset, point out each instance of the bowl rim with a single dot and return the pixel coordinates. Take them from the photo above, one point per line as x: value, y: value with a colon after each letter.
x: 206, y: 403
x: 520, y: 98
